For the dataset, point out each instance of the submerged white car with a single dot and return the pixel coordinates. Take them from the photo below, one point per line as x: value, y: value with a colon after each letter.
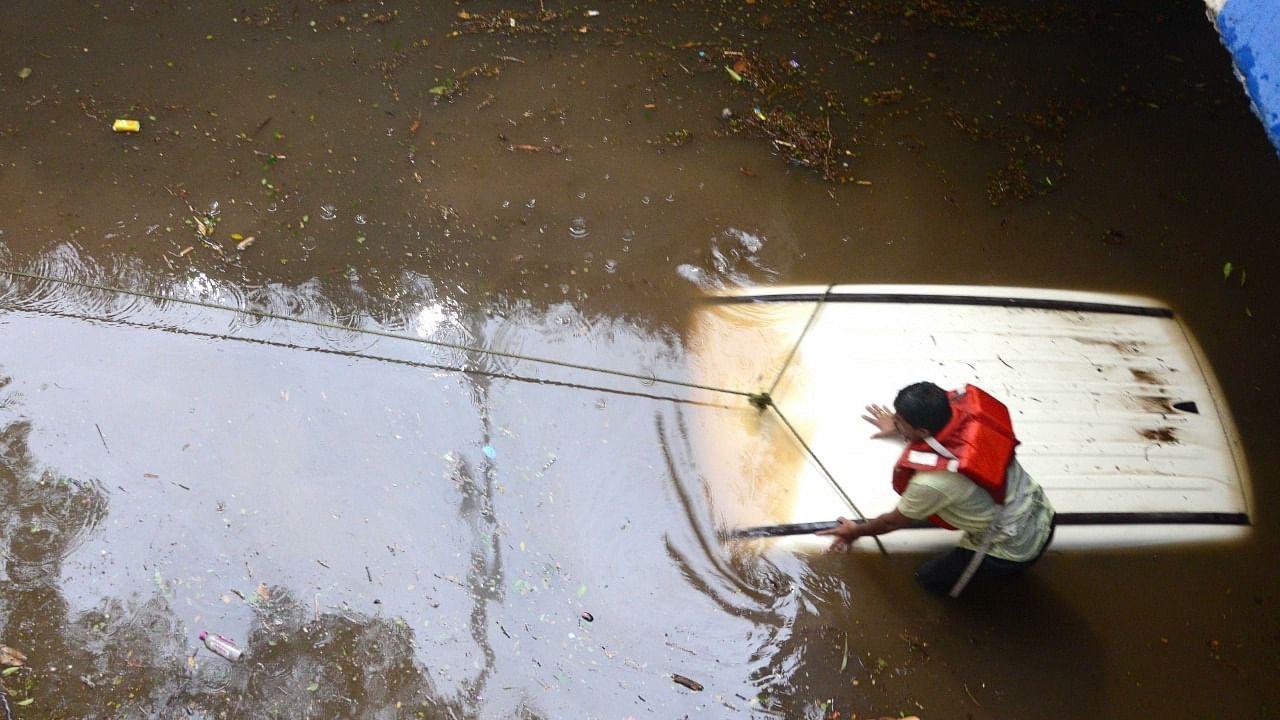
x: 1119, y: 415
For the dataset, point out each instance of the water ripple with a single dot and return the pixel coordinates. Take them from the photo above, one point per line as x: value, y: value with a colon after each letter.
x: 337, y: 313
x: 733, y: 261
x: 53, y: 516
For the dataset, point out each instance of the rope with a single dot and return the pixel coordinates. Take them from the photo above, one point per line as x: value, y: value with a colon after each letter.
x: 830, y: 478
x: 796, y: 348
x: 758, y: 400
x: 764, y: 400
x: 395, y: 361
x: 378, y: 333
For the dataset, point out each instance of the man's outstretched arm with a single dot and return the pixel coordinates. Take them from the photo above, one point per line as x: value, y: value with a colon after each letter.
x: 848, y: 531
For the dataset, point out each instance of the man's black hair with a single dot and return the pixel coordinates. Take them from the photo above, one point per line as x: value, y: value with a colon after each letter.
x: 924, y: 405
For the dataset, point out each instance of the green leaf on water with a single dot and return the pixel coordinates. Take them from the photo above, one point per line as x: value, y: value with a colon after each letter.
x: 844, y: 658
x: 313, y: 687
x: 9, y: 671
x: 438, y: 90
x: 582, y: 590
x: 1226, y: 271
x: 24, y: 703
x: 736, y: 77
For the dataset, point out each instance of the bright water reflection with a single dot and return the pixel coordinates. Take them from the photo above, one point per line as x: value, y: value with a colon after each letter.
x: 382, y: 524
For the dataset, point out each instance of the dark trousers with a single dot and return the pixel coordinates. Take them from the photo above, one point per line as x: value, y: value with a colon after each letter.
x: 938, y: 575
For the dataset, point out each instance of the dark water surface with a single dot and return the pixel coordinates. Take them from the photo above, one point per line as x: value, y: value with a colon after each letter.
x: 399, y: 529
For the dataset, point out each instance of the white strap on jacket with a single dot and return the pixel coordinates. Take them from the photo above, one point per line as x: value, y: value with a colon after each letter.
x: 1015, y: 499
x: 953, y: 463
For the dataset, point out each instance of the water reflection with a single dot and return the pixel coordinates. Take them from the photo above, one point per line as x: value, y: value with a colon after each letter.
x: 47, y: 515
x: 298, y: 663
x: 384, y: 541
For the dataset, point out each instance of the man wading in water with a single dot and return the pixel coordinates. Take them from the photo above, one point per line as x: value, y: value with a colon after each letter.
x: 959, y: 471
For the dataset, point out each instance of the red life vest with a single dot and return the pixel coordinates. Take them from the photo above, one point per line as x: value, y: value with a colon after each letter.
x: 980, y: 435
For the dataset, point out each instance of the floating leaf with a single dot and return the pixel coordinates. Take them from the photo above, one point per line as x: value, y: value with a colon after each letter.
x: 313, y: 687
x: 582, y: 590
x: 733, y: 74
x: 438, y: 90
x: 1226, y: 271
x: 24, y: 73
x: 844, y: 659
x: 24, y: 703
x: 9, y: 671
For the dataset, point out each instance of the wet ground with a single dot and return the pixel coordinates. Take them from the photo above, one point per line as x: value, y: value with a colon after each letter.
x: 253, y: 439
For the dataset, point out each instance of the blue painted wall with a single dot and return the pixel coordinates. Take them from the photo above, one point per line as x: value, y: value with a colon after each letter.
x: 1251, y: 31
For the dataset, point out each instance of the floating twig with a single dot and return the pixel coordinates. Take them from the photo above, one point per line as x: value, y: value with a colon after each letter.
x: 260, y: 126
x: 693, y: 685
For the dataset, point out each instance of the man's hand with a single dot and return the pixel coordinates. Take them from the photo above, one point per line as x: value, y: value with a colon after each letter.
x: 884, y: 420
x: 843, y: 534
x: 848, y: 530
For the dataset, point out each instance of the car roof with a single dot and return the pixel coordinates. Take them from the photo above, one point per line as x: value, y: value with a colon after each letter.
x: 1120, y: 417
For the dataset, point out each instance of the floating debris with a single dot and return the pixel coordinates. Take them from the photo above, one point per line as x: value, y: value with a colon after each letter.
x: 693, y: 685
x: 12, y: 657
x: 220, y: 646
x: 801, y: 139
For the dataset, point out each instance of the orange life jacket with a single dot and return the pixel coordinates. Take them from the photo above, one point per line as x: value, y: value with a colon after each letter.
x: 979, y: 435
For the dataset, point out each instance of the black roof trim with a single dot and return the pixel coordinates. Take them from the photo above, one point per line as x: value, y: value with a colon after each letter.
x: 926, y: 299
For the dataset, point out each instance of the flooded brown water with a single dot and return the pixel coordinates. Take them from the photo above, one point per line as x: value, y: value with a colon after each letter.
x: 393, y: 529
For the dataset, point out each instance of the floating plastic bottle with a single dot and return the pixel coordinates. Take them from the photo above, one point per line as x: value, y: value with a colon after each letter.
x: 220, y: 645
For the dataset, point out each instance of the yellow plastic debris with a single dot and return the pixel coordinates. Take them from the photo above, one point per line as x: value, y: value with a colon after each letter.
x: 126, y: 126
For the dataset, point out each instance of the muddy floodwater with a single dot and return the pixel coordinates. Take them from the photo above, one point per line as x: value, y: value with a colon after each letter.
x: 365, y: 349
